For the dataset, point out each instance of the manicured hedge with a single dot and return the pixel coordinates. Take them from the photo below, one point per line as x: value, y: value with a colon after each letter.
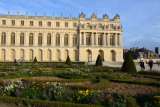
x: 157, y: 84
x: 39, y: 103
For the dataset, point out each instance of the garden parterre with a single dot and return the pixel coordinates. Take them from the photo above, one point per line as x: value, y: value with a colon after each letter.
x: 95, y: 92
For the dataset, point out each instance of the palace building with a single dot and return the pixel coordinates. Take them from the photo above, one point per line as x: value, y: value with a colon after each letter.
x: 54, y: 38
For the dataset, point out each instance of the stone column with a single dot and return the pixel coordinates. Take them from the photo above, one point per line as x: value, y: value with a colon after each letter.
x: 8, y: 38
x: 35, y: 38
x: 104, y: 39
x: 44, y: 39
x: 84, y: 35
x: 53, y: 39
x: 70, y: 39
x: 96, y: 38
x: 80, y: 38
x: 62, y: 39
x: 121, y: 37
x: 0, y: 40
x: 17, y: 38
x: 26, y: 38
x: 108, y: 39
x: 115, y: 39
x: 92, y: 38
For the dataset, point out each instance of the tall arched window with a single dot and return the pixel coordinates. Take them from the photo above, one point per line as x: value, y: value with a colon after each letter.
x: 58, y: 55
x: 49, y: 57
x: 66, y: 54
x: 100, y: 39
x: 13, y: 55
x: 75, y: 55
x: 57, y: 39
x: 66, y: 39
x: 40, y: 55
x: 22, y: 39
x: 112, y: 40
x: 31, y: 55
x: 12, y: 38
x: 88, y: 39
x: 22, y: 54
x: 3, y: 57
x: 101, y: 54
x: 113, y: 55
x: 48, y: 39
x: 3, y: 38
x: 40, y: 39
x: 89, y: 55
x: 74, y: 39
x: 31, y: 39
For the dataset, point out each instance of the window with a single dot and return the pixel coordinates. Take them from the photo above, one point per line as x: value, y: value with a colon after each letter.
x: 22, y: 39
x: 100, y: 39
x: 12, y: 38
x: 66, y: 24
x: 22, y: 22
x: 31, y: 23
x: 3, y: 38
x: 88, y: 39
x: 74, y: 39
x: 49, y: 24
x: 111, y: 26
x: 99, y: 25
x: 88, y: 25
x: 57, y: 39
x: 40, y: 39
x: 74, y: 24
x: 65, y: 39
x: 48, y: 39
x: 13, y: 22
x: 31, y: 39
x: 3, y: 22
x: 40, y: 23
x: 57, y: 24
x: 112, y: 40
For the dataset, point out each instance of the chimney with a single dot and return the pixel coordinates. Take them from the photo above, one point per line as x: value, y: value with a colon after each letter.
x: 134, y: 49
x: 137, y: 49
x: 157, y: 50
x: 148, y: 53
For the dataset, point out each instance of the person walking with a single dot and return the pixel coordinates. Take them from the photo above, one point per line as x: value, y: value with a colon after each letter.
x: 142, y: 65
x: 150, y: 64
x: 15, y: 61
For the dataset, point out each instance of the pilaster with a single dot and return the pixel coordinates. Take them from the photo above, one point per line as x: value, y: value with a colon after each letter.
x: 84, y: 35
x: 108, y: 39
x: 104, y: 39
x: 115, y: 39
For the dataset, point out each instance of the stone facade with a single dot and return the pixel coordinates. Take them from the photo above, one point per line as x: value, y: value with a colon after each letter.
x: 54, y: 38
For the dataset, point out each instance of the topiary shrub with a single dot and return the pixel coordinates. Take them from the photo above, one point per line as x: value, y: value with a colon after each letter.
x: 128, y: 64
x: 97, y: 79
x: 35, y: 60
x: 68, y: 61
x: 99, y: 61
x: 131, y: 102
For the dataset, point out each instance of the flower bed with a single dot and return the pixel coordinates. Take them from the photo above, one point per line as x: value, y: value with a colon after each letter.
x: 59, y: 92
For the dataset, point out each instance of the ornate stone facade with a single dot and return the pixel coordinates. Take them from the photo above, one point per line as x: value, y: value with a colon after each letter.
x: 54, y: 38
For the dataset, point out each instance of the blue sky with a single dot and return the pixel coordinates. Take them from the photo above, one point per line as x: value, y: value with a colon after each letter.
x: 140, y: 18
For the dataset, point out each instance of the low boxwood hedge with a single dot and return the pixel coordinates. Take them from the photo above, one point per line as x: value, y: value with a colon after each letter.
x: 40, y: 103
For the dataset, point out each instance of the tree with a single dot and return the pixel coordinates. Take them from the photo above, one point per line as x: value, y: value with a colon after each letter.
x: 128, y: 64
x: 99, y: 61
x: 68, y: 61
x: 35, y: 59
